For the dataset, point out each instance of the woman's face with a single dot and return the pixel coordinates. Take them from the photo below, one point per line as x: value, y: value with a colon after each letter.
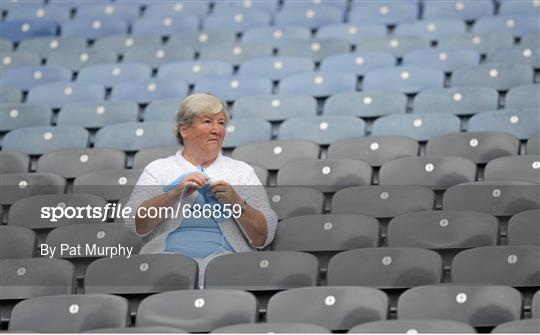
x: 206, y: 134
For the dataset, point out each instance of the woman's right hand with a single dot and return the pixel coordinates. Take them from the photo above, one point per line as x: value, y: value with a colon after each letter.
x: 191, y: 183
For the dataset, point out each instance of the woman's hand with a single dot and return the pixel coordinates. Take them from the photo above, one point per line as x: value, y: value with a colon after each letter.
x: 191, y: 183
x: 225, y: 193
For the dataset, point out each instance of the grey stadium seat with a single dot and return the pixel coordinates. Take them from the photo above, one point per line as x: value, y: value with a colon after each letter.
x: 483, y: 42
x: 10, y: 94
x: 276, y: 36
x: 421, y: 127
x: 405, y: 326
x: 155, y: 56
x: 202, y: 38
x: 15, y: 116
x: 520, y: 168
x: 523, y: 124
x: 311, y: 17
x: 72, y: 163
x: 261, y: 173
x: 235, y: 54
x: 44, y: 46
x: 268, y: 327
x: 21, y: 58
x: 358, y: 63
x: 13, y: 162
x: 503, y: 265
x: 146, y: 91
x: 368, y: 103
x: 456, y: 100
x: 406, y: 79
x: 389, y: 268
x: 240, y: 131
x: 144, y: 156
x: 28, y: 77
x: 16, y: 186
x: 318, y: 84
x: 191, y: 71
x: 516, y: 55
x: 272, y: 155
x: 526, y: 96
x: 446, y: 60
x: 122, y: 43
x: 326, y: 175
x: 477, y: 305
x: 374, y: 150
x: 519, y: 326
x: 138, y: 330
x: 457, y: 10
x: 384, y: 12
x: 523, y: 228
x: 197, y: 310
x: 133, y: 136
x: 108, y: 184
x: 533, y: 145
x: 276, y: 68
x: 383, y: 201
x: 98, y: 114
x: 536, y: 305
x: 294, y: 201
x: 43, y: 139
x: 316, y: 49
x: 517, y: 25
x: 75, y: 60
x: 17, y: 242
x: 530, y: 40
x: 437, y: 172
x: 501, y: 77
x: 162, y: 110
x: 349, y: 306
x: 70, y: 313
x: 323, y: 130
x: 479, y: 147
x: 431, y: 29
x: 351, y: 32
x: 113, y: 73
x: 275, y: 107
x: 230, y: 88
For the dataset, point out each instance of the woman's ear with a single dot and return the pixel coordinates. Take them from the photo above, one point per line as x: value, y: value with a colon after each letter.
x: 182, y: 131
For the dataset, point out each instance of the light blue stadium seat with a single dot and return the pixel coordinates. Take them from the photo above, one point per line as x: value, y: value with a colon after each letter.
x: 112, y: 74
x: 235, y: 54
x: 483, y: 42
x: 126, y: 11
x: 7, y: 5
x: 501, y: 77
x: 516, y: 55
x: 43, y: 46
x: 309, y: 17
x: 274, y: 107
x: 270, y: 6
x: 318, y: 84
x: 531, y: 40
x: 523, y: 124
x: 237, y: 19
x: 368, y: 103
x: 13, y: 116
x: 288, y: 4
x: 276, y: 36
x: 456, y: 9
x: 163, y: 9
x: 314, y: 49
x: 98, y: 114
x: 406, y: 79
x: 323, y: 130
x: 92, y: 29
x: 191, y: 71
x: 456, y: 100
x: 123, y: 43
x: 17, y: 30
x: 240, y: 131
x: 358, y: 63
x: 276, y: 68
x: 351, y: 32
x: 10, y: 94
x: 28, y: 77
x: 446, y: 60
x: 6, y: 45
x: 399, y: 46
x: 517, y: 25
x: 202, y: 38
x: 133, y: 136
x: 163, y: 110
x: 149, y: 90
x: 421, y: 127
x: 37, y: 11
x: 156, y: 56
x: 57, y: 95
x: 522, y: 97
x: 12, y: 60
x: 75, y: 60
x: 385, y: 12
x: 519, y: 7
x: 42, y: 139
x: 230, y: 88
x: 430, y: 29
x: 166, y: 25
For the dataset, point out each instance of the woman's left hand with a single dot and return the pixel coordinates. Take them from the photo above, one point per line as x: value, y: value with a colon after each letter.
x: 225, y: 193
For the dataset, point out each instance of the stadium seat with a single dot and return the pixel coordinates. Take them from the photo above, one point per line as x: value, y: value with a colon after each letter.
x: 483, y: 42
x: 523, y: 124
x: 389, y: 268
x: 72, y: 163
x: 15, y: 116
x: 368, y: 103
x: 69, y: 313
x: 497, y: 198
x: 408, y: 79
x: 230, y: 88
x: 535, y: 308
x: 430, y: 29
x: 237, y: 19
x: 235, y: 54
x: 521, y: 168
x: 36, y: 11
x: 269, y: 327
x: 318, y: 84
x: 294, y: 201
x: 342, y: 4
x: 317, y: 50
x: 519, y: 326
x: 200, y: 39
x: 124, y: 43
x: 274, y: 107
x: 516, y: 55
x: 523, y: 228
x: 111, y: 74
x: 383, y: 201
x: 241, y: 131
x: 133, y: 136
x: 138, y: 330
x: 437, y: 172
x: 155, y: 56
x: 98, y: 114
x: 533, y: 145
x: 503, y: 265
x: 517, y: 25
x: 277, y: 36
x: 28, y: 77
x: 399, y: 46
x: 523, y: 97
x: 17, y: 242
x: 199, y: 8
x: 44, y: 46
x: 75, y: 60
x: 94, y: 28
x: 184, y: 309
x: 530, y: 40
x: 445, y: 230
x: 10, y: 94
x: 458, y: 10
x: 479, y: 147
x: 358, y: 63
x: 326, y: 175
x: 477, y: 305
x: 6, y: 45
x: 108, y: 184
x: 57, y: 95
x: 126, y: 11
x: 162, y: 110
x: 421, y: 127
x: 385, y: 12
x: 16, y: 186
x: 146, y: 91
x: 12, y: 60
x: 323, y: 130
x: 17, y: 30
x: 446, y: 60
x: 276, y: 68
x: 405, y: 326
x: 261, y: 173
x: 311, y: 17
x: 191, y: 71
x: 351, y: 32
x: 335, y: 308
x: 144, y: 156
x: 43, y: 139
x: 14, y: 162
x: 273, y: 155
x: 267, y: 6
x: 501, y: 77
x: 456, y: 100
x: 373, y: 150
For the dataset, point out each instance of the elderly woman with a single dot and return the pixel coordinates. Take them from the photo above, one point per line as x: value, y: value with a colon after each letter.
x: 223, y: 206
